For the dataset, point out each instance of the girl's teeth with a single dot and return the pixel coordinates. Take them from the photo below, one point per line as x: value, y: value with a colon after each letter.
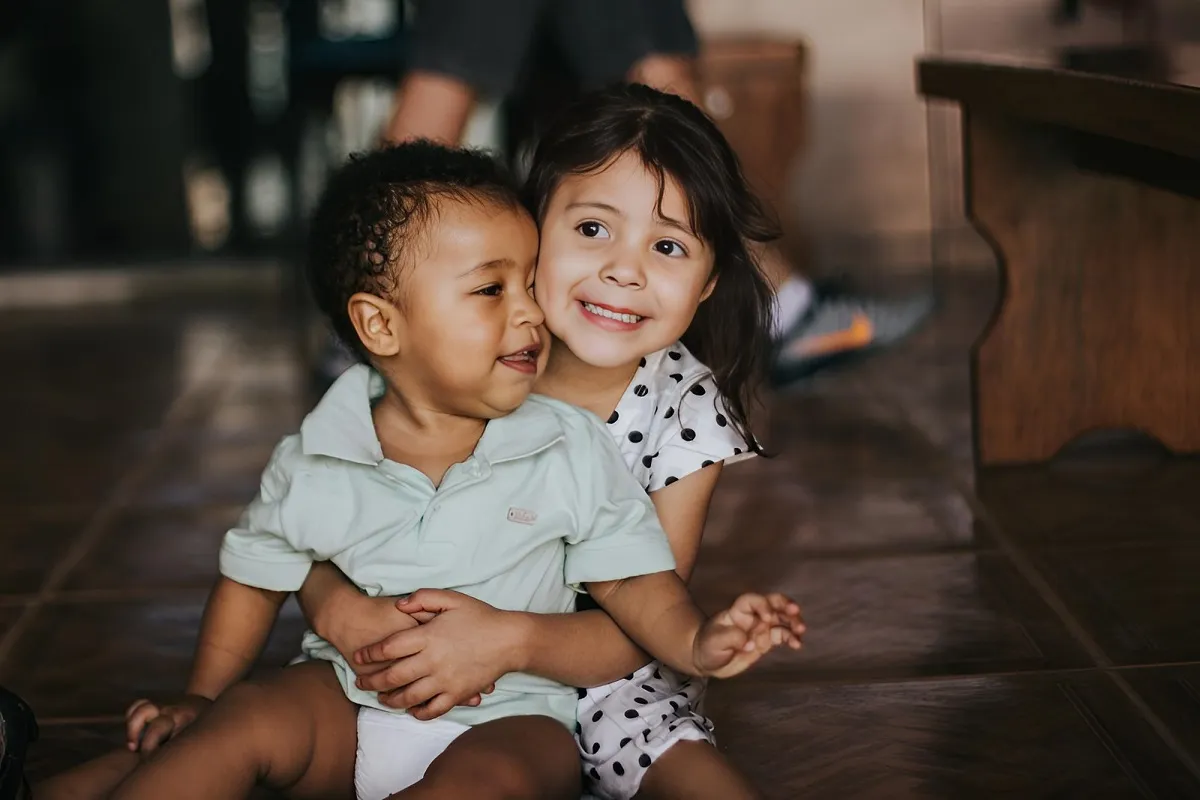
x: 604, y: 312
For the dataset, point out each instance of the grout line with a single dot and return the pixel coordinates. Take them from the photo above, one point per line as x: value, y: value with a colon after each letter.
x: 1029, y: 571
x: 96, y: 719
x: 184, y: 404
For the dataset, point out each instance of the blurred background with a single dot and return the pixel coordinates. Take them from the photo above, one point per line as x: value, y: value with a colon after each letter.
x: 140, y: 130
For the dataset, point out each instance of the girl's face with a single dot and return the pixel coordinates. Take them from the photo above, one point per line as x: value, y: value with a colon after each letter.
x: 619, y: 275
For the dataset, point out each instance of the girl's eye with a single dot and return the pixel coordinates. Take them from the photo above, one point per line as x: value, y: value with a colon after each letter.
x: 592, y: 230
x: 669, y: 248
x: 490, y: 291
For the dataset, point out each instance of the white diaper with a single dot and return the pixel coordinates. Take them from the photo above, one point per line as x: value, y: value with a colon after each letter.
x: 394, y: 750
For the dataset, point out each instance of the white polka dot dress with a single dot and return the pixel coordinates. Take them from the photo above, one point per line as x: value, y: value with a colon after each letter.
x: 670, y: 422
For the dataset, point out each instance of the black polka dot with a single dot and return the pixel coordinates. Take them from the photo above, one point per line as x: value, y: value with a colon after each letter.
x: 737, y: 451
x: 595, y: 775
x: 706, y: 463
x: 658, y: 675
x: 617, y: 768
x: 595, y: 748
x: 625, y: 741
x: 688, y: 434
x: 664, y: 719
x: 697, y: 390
x: 635, y: 436
x: 721, y: 421
x: 646, y: 460
x: 596, y: 717
x: 674, y: 354
x: 644, y: 761
x: 670, y: 413
x: 648, y: 688
x: 670, y: 479
x: 640, y: 390
x: 677, y: 376
x: 674, y: 706
x: 641, y: 701
x: 642, y: 363
x: 578, y: 729
x: 581, y: 692
x: 672, y: 729
x: 646, y: 734
x: 615, y: 416
x: 631, y: 714
x: 629, y: 677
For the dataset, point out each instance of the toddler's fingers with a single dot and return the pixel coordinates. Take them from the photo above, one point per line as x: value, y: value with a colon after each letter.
x: 138, y: 716
x: 158, y: 731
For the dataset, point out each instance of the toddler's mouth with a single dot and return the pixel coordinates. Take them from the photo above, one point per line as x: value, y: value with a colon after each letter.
x: 524, y: 360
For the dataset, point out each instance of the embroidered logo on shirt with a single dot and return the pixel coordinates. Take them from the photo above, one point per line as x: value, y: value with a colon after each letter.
x: 522, y: 515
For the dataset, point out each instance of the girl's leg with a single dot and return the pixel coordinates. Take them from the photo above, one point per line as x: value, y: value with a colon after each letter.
x: 506, y: 759
x: 692, y: 770
x: 93, y: 780
x: 294, y: 732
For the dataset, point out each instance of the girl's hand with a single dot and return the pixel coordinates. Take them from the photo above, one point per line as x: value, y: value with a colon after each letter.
x: 732, y: 641
x: 458, y: 655
x: 361, y: 621
x: 358, y: 621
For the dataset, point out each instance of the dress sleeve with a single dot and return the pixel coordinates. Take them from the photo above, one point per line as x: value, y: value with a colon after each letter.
x: 696, y: 434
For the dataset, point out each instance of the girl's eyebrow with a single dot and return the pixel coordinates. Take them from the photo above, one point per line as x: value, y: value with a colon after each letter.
x: 662, y: 219
x: 602, y: 206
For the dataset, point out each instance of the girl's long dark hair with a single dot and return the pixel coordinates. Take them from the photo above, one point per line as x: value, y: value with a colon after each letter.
x: 731, y: 329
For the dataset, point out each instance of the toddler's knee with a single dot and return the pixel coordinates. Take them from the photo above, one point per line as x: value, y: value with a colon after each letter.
x: 488, y: 775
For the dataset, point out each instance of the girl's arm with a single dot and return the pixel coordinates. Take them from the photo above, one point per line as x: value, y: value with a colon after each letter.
x: 587, y: 648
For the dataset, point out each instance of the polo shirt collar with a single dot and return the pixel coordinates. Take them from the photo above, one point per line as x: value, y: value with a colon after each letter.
x: 342, y: 427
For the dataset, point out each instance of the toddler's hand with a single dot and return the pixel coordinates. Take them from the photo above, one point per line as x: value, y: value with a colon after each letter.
x: 149, y: 725
x: 732, y: 641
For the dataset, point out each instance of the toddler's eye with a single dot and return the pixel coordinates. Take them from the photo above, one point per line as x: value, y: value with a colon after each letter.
x: 592, y: 230
x: 490, y: 291
x: 669, y: 248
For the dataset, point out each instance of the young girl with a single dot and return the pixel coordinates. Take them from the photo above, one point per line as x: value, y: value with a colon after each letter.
x: 660, y: 323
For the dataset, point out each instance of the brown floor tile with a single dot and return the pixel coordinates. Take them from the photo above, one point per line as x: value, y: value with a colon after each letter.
x: 216, y: 473
x: 45, y: 534
x: 8, y: 616
x: 1139, y: 602
x: 1046, y: 736
x: 901, y: 616
x: 93, y: 659
x: 1173, y: 693
x: 163, y: 548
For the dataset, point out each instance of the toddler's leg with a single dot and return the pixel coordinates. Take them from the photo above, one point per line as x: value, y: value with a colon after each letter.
x: 691, y: 770
x: 92, y: 780
x: 294, y: 731
x: 506, y: 759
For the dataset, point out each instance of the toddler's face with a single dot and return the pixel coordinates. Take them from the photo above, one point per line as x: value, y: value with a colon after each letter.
x: 620, y: 274
x: 469, y: 322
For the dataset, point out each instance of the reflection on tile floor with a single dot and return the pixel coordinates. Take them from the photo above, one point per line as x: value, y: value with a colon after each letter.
x: 1021, y: 633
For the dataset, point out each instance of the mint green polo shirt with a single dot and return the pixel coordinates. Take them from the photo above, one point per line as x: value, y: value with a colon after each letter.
x: 543, y: 505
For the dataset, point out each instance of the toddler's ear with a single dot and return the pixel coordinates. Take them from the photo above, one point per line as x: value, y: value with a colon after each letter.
x: 378, y: 322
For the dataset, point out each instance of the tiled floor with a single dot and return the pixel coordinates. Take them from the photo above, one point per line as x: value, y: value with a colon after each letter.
x: 1021, y: 633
